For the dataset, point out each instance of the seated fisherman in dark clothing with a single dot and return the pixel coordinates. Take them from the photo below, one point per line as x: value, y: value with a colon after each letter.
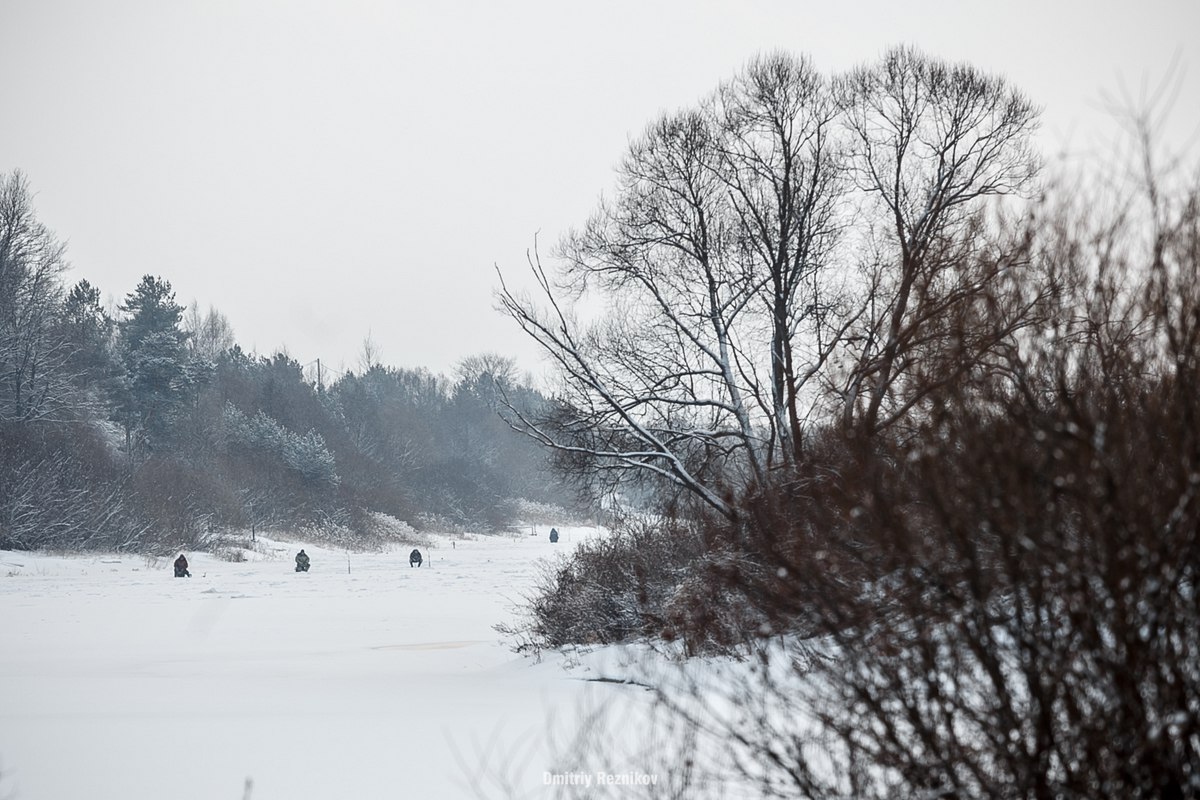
x: 181, y: 570
x: 301, y: 561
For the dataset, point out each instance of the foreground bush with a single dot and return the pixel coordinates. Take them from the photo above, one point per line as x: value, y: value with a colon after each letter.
x: 1005, y: 593
x: 647, y: 579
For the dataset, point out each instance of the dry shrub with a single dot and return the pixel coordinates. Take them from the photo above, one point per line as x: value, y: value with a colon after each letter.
x: 1007, y: 586
x: 234, y: 555
x: 376, y: 530
x: 648, y: 578
x: 58, y: 490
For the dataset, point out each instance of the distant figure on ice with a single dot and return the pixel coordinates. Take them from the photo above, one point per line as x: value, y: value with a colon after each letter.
x: 554, y: 535
x: 301, y: 561
x: 181, y: 570
x: 414, y: 558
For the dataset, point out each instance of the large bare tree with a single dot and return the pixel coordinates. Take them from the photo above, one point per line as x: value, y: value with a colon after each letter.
x: 710, y: 262
x: 785, y: 176
x: 929, y: 142
x: 725, y: 304
x: 33, y: 355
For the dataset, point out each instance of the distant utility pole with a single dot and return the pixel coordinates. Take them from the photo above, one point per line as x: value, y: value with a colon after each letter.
x: 320, y: 383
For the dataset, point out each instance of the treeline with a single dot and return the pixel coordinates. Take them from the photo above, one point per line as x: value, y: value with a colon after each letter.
x: 148, y: 428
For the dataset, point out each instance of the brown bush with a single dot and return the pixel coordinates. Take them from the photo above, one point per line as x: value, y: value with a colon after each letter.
x: 1007, y: 593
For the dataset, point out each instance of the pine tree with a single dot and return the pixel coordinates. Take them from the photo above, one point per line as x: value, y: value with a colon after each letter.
x: 158, y: 380
x: 87, y: 330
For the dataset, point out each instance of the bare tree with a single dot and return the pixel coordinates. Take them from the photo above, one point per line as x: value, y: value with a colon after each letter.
x: 711, y: 260
x: 368, y: 356
x: 785, y: 175
x: 733, y: 311
x: 33, y: 383
x: 209, y: 333
x: 929, y: 141
x: 487, y: 375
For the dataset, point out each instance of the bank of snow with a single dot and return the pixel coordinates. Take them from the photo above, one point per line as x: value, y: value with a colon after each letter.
x: 363, y: 678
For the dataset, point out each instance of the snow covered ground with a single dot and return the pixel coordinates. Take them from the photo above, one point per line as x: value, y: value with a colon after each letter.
x: 362, y: 680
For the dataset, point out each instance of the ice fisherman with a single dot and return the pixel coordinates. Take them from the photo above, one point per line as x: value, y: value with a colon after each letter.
x: 301, y: 561
x: 181, y: 570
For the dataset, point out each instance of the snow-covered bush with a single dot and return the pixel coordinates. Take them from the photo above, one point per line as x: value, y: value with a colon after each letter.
x: 532, y: 512
x: 377, y: 529
x: 57, y: 491
x: 260, y: 434
x: 308, y: 455
x: 646, y: 579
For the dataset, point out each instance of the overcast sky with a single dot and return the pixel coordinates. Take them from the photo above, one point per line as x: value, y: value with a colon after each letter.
x: 318, y: 170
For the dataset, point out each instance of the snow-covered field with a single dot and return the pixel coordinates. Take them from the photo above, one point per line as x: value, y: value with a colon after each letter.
x: 362, y: 680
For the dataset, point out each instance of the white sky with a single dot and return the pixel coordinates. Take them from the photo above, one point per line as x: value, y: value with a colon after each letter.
x: 318, y: 170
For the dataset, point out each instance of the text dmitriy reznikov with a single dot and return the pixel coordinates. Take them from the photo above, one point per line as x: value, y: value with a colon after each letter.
x: 599, y: 778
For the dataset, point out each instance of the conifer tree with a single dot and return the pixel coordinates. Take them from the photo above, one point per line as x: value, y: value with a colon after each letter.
x: 87, y: 330
x: 158, y: 379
